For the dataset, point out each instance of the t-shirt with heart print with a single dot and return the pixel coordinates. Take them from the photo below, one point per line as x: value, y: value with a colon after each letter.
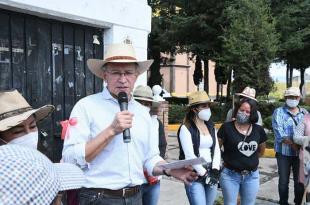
x: 241, y: 154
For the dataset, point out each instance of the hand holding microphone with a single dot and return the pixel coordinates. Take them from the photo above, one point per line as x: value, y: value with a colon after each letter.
x: 123, y: 104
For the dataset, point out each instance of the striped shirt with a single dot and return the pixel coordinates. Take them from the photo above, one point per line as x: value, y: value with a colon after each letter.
x: 283, y: 127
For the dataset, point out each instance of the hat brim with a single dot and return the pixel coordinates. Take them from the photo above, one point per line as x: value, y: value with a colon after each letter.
x: 70, y: 176
x: 147, y: 99
x: 294, y: 95
x: 96, y: 66
x: 247, y: 96
x: 201, y: 102
x: 40, y: 114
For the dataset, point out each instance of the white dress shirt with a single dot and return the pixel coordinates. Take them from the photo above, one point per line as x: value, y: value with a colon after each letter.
x: 204, y: 149
x: 119, y: 164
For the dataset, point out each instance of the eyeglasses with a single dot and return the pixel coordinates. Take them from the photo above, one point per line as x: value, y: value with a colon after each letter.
x: 127, y: 74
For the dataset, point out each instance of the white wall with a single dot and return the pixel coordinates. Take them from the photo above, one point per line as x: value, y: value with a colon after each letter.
x: 119, y: 18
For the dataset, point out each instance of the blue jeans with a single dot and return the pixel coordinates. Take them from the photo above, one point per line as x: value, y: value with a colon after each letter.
x: 233, y: 183
x: 199, y: 193
x: 150, y: 194
x: 285, y: 164
x: 89, y: 197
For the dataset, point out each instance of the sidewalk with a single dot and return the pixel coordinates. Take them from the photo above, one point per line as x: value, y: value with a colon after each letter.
x: 172, y: 191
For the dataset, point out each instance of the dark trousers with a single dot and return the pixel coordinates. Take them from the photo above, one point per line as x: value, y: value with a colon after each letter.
x: 89, y: 197
x: 285, y: 164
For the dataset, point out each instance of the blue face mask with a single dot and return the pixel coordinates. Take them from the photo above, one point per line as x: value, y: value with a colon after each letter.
x: 242, y: 117
x: 292, y: 103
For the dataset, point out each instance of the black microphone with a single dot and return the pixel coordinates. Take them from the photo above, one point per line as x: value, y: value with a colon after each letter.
x: 123, y: 104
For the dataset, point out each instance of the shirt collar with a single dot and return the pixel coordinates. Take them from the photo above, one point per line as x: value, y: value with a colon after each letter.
x: 286, y: 108
x: 107, y: 95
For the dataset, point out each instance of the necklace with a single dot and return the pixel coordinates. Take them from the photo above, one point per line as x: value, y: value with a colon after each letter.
x: 244, y: 131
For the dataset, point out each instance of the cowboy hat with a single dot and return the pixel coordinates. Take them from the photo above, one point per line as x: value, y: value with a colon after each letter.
x: 292, y: 91
x: 14, y: 109
x: 248, y: 93
x: 117, y: 53
x: 144, y: 93
x: 29, y: 177
x: 198, y: 97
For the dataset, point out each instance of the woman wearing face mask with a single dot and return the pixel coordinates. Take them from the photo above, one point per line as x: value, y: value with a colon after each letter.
x: 197, y: 138
x: 18, y: 120
x: 244, y: 142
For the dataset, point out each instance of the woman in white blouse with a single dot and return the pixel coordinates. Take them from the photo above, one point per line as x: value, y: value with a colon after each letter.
x: 197, y: 138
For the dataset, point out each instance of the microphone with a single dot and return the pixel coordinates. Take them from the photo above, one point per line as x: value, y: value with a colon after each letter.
x: 123, y: 104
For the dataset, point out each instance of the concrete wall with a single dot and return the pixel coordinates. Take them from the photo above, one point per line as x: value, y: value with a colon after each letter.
x: 121, y: 19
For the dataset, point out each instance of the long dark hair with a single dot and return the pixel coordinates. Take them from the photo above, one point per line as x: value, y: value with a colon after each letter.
x: 190, y: 115
x: 253, y: 113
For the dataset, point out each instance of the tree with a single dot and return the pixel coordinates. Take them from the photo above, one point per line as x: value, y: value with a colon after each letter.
x: 197, y: 77
x: 293, y: 25
x: 249, y: 44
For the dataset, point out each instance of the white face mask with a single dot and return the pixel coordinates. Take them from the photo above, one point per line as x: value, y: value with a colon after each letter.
x: 29, y: 140
x: 292, y: 103
x: 204, y: 114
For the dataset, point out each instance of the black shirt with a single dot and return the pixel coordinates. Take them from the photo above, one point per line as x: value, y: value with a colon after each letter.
x: 240, y: 154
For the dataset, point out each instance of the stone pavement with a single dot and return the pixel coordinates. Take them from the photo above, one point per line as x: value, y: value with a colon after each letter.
x: 173, y: 192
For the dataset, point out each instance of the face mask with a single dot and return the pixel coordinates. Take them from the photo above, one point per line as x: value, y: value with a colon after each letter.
x: 242, y: 118
x: 292, y: 103
x: 204, y: 114
x: 29, y: 140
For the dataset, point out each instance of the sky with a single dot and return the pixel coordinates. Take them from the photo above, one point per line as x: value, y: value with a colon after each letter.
x: 278, y: 71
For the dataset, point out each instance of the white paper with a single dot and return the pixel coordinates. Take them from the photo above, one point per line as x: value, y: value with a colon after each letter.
x: 183, y: 163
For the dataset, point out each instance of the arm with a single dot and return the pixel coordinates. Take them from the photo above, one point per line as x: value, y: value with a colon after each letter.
x: 217, y: 155
x: 278, y: 128
x: 187, y: 145
x: 299, y: 136
x: 229, y: 116
x: 260, y: 121
x: 261, y: 149
x: 79, y: 148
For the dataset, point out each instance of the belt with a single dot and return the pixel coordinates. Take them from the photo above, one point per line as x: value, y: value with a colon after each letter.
x: 125, y: 192
x: 241, y: 172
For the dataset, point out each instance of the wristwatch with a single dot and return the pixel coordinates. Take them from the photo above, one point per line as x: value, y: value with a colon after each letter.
x: 165, y: 173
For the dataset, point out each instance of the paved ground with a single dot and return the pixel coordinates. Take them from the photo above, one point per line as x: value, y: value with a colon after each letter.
x: 173, y: 192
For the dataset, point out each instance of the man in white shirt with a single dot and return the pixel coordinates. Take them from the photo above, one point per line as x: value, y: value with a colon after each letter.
x: 114, y: 169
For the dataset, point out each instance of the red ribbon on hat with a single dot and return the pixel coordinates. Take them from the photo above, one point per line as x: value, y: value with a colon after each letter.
x: 66, y: 125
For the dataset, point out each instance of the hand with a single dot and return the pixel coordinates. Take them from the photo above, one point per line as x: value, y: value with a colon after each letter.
x: 295, y: 147
x: 187, y: 175
x: 287, y: 141
x: 213, y: 177
x: 122, y: 121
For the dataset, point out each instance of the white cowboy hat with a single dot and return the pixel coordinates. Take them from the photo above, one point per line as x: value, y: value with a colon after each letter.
x: 248, y: 93
x: 292, y: 91
x: 14, y: 109
x: 117, y: 53
x: 144, y: 93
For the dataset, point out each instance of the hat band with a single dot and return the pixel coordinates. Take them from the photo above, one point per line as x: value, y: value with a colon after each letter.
x: 120, y: 58
x: 139, y: 96
x: 14, y: 112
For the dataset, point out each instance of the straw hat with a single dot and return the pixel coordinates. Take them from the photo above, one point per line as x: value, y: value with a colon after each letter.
x: 248, y: 93
x: 14, y: 109
x: 29, y: 177
x: 198, y: 97
x: 292, y: 91
x: 117, y: 53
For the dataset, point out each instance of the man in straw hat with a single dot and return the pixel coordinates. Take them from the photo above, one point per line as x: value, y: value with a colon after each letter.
x: 18, y: 120
x: 114, y: 169
x: 246, y: 93
x: 151, y: 189
x: 284, y: 122
x: 30, y: 178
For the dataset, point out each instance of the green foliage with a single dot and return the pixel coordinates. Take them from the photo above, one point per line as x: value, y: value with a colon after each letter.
x: 249, y: 44
x: 176, y: 113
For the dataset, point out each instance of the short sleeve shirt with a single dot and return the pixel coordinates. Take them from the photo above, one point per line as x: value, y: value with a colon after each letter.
x: 241, y: 153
